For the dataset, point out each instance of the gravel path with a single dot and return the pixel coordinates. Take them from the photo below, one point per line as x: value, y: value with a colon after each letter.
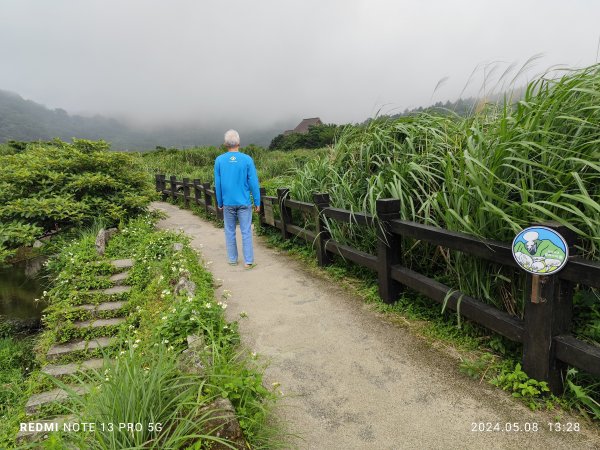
x: 352, y: 379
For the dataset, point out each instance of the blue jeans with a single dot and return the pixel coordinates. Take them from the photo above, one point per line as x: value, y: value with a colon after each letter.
x: 244, y: 215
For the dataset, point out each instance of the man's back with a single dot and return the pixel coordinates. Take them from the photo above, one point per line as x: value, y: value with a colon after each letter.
x: 235, y: 178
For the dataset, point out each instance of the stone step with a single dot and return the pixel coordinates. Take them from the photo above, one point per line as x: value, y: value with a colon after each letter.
x: 98, y: 323
x: 117, y: 290
x: 58, y: 370
x: 106, y: 306
x: 119, y: 278
x: 109, y: 291
x: 122, y: 263
x: 55, y: 395
x: 59, y: 350
x: 34, y: 430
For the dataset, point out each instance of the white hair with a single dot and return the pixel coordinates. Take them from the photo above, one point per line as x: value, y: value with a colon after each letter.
x: 232, y: 139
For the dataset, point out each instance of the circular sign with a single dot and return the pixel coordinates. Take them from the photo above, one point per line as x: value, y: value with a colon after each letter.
x: 540, y: 250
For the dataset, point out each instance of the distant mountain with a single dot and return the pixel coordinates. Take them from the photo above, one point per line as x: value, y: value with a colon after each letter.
x: 25, y: 120
x: 544, y: 248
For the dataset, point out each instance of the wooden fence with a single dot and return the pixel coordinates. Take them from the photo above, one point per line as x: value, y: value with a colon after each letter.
x: 544, y: 331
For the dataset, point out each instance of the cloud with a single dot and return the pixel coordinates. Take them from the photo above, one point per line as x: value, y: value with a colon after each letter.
x: 266, y: 61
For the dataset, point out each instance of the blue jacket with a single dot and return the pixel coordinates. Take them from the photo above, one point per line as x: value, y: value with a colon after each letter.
x: 235, y: 179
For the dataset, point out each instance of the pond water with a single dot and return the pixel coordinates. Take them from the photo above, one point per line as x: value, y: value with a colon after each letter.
x: 19, y: 287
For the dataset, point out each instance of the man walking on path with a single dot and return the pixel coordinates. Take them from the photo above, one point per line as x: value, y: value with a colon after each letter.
x: 235, y: 179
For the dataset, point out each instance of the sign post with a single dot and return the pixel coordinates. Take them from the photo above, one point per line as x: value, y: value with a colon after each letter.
x: 543, y: 252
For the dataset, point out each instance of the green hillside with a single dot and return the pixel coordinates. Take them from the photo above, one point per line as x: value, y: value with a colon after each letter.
x: 25, y: 120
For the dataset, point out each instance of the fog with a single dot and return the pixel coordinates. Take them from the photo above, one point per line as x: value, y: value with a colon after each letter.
x: 271, y: 62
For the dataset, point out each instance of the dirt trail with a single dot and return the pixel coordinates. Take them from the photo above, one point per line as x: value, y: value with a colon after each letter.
x: 351, y: 379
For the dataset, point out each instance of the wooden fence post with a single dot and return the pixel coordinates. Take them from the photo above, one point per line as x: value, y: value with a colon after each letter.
x: 321, y: 201
x: 388, y: 249
x: 546, y: 319
x: 286, y: 213
x: 157, y: 182
x: 186, y: 192
x: 196, y: 183
x: 173, y: 181
x: 261, y: 213
x: 218, y: 212
x: 207, y: 199
x: 163, y: 187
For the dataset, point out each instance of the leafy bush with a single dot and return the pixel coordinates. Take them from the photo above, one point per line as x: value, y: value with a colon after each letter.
x: 318, y: 136
x: 519, y: 383
x: 52, y: 186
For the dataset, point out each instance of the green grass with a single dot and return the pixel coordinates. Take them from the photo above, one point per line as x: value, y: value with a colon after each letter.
x: 489, y: 175
x: 16, y: 362
x: 274, y: 167
x: 145, y: 388
x: 147, y: 384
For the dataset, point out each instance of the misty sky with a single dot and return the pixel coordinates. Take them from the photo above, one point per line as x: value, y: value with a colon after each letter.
x: 265, y: 61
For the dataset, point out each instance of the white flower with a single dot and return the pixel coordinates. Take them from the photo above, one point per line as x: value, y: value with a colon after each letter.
x: 208, y: 305
x: 121, y: 352
x: 164, y: 317
x: 137, y: 341
x: 134, y: 346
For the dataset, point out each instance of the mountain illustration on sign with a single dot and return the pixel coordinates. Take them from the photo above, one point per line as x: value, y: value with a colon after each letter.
x: 538, y: 255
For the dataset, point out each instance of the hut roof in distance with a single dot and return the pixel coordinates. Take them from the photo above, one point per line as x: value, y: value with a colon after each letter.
x: 302, y: 127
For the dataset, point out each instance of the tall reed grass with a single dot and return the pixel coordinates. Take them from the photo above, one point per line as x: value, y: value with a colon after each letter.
x: 199, y: 162
x: 490, y: 175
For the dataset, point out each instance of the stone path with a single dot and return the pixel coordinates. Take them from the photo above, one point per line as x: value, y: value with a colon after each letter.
x: 59, y: 352
x: 352, y: 378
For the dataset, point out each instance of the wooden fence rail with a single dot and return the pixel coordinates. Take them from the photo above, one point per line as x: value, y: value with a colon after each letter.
x: 544, y: 331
